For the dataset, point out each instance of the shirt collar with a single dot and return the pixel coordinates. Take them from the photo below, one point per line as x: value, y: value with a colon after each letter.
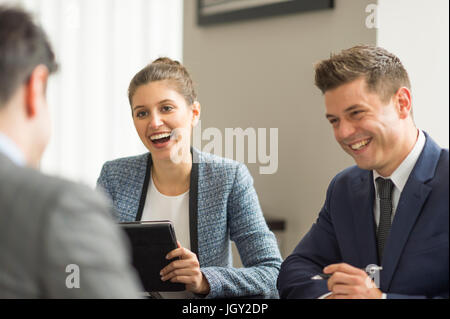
x: 400, y: 176
x: 10, y: 149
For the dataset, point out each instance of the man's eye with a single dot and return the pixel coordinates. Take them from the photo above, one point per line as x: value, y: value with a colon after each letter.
x: 333, y: 121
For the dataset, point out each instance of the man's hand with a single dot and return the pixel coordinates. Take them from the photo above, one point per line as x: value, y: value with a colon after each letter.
x: 185, y: 270
x: 348, y: 282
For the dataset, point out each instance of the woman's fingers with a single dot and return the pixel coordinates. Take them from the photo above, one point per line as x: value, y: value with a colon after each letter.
x: 179, y: 264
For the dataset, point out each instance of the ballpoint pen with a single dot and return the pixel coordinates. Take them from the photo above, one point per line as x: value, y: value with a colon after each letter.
x: 321, y: 276
x: 370, y: 270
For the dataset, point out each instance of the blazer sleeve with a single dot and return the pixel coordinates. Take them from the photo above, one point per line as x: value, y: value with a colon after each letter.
x: 105, y: 186
x: 84, y: 254
x: 103, y: 183
x: 256, y: 244
x: 316, y: 250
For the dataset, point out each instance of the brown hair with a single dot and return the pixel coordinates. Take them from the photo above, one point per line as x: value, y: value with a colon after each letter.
x: 383, y: 71
x: 23, y: 46
x: 165, y: 69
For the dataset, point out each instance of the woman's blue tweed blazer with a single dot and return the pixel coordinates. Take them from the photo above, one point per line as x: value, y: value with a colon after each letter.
x: 223, y: 206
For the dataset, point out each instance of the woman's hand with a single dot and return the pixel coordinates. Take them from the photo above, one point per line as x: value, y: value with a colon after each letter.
x: 186, y: 270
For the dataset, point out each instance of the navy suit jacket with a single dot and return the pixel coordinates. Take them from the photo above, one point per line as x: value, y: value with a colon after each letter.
x: 416, y: 256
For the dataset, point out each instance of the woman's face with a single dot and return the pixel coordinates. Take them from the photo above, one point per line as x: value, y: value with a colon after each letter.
x: 163, y: 119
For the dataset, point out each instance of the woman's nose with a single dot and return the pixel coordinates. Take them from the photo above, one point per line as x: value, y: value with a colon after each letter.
x: 155, y: 121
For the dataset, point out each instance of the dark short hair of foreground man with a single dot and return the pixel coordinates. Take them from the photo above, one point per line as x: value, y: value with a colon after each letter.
x: 57, y: 239
x: 389, y: 211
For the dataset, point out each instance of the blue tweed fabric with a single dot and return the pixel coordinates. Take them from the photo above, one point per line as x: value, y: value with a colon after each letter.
x: 228, y: 209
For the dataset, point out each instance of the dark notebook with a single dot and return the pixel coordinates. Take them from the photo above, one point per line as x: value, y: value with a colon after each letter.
x: 151, y: 241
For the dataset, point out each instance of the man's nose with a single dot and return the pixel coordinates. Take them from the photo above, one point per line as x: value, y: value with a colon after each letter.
x: 345, y: 130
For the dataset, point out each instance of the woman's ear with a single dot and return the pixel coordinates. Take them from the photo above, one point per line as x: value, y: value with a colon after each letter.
x: 195, y: 113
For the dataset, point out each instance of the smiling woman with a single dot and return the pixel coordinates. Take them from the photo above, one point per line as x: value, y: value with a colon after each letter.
x: 163, y: 102
x: 210, y: 200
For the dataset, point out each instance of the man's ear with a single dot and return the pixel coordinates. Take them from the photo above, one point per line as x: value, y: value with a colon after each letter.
x: 403, y: 101
x: 35, y: 90
x: 195, y: 113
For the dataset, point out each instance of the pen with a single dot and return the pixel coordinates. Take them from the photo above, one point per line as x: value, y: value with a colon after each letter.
x: 321, y: 276
x: 370, y: 270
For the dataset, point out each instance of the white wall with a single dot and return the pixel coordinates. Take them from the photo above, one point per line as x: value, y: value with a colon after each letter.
x: 99, y: 45
x: 417, y: 31
x: 259, y: 74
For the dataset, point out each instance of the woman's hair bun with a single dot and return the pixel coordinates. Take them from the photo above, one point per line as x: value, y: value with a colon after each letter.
x: 161, y: 69
x: 167, y: 61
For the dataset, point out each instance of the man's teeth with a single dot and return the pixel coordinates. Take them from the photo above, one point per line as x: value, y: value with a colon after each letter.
x: 359, y: 145
x: 159, y: 136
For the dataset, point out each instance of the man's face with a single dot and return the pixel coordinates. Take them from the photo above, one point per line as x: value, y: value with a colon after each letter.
x: 365, y: 127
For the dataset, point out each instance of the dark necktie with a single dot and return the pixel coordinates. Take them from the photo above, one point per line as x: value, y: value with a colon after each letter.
x: 384, y: 188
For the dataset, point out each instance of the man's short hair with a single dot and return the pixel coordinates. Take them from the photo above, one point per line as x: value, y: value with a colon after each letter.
x: 23, y: 46
x: 382, y: 70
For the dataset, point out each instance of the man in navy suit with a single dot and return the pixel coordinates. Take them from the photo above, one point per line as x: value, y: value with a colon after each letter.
x: 383, y: 230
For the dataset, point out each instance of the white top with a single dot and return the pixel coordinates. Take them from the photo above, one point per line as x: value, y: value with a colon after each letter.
x: 399, y: 177
x: 173, y: 208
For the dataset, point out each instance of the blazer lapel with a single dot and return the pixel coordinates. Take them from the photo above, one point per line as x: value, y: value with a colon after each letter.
x: 409, y: 208
x: 144, y: 188
x: 362, y: 206
x: 193, y: 202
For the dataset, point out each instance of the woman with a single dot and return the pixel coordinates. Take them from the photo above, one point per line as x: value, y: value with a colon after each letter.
x: 211, y: 200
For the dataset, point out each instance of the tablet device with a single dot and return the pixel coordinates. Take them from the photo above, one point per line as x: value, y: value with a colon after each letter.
x: 151, y: 241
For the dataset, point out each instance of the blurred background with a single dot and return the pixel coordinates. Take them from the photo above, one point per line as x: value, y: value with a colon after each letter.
x: 249, y: 73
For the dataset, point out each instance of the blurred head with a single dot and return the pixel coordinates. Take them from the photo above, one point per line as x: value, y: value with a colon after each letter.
x: 368, y: 103
x: 26, y: 60
x: 164, y: 108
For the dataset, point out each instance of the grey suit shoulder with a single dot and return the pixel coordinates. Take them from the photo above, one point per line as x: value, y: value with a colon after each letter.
x: 50, y: 228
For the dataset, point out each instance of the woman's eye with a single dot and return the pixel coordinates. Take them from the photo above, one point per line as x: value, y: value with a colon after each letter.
x: 167, y: 108
x: 141, y: 114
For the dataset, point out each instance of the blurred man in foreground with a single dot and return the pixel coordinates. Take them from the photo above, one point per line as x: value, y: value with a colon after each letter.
x: 57, y: 239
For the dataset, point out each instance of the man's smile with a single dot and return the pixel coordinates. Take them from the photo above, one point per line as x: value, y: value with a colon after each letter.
x: 360, y: 144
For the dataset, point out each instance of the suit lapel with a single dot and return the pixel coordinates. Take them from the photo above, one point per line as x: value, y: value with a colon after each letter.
x: 411, y: 201
x: 409, y: 207
x: 362, y: 208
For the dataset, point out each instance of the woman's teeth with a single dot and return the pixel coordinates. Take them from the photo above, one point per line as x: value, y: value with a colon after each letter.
x: 159, y: 136
x: 359, y: 145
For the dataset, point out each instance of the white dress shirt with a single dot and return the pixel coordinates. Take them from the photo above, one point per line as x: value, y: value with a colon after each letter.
x: 399, y: 177
x: 10, y: 149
